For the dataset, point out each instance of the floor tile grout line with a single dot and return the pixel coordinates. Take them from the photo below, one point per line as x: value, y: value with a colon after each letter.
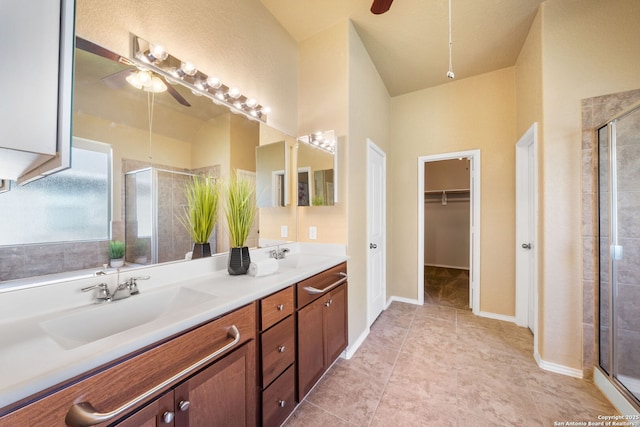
x: 395, y: 362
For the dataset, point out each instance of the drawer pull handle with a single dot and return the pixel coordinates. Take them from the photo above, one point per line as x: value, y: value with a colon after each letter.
x: 314, y: 291
x: 328, y: 303
x: 282, y: 403
x: 167, y: 417
x: 280, y: 307
x: 84, y: 414
x: 184, y: 405
x: 281, y: 349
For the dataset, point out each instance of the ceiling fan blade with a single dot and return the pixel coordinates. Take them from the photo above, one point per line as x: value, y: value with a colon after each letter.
x: 380, y: 6
x: 173, y: 92
x: 101, y: 51
x: 117, y: 80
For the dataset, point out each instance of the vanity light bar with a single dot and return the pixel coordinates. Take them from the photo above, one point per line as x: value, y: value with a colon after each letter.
x: 322, y: 140
x: 156, y: 58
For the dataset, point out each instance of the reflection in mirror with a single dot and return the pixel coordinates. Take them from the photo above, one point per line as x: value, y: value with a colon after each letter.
x: 134, y: 130
x: 317, y: 170
x: 272, y: 163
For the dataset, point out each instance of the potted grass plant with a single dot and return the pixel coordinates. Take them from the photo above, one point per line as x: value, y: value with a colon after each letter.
x: 116, y: 253
x: 240, y: 212
x: 200, y: 214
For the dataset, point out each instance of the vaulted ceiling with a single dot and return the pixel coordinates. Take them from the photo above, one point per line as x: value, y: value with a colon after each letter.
x: 409, y: 43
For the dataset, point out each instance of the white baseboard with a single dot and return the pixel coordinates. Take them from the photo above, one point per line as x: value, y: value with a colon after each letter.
x: 402, y: 299
x: 611, y: 392
x: 496, y: 316
x: 352, y: 348
x: 558, y: 369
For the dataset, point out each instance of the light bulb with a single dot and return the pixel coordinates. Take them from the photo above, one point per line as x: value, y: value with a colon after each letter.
x: 251, y: 102
x: 234, y: 92
x: 213, y: 82
x: 158, y: 52
x: 188, y: 68
x: 200, y: 84
x: 266, y: 110
x: 238, y: 105
x: 144, y: 78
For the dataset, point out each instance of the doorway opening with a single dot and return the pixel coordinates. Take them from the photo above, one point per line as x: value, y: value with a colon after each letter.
x: 448, y: 229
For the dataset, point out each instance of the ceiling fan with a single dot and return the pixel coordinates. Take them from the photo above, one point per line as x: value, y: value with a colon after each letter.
x: 117, y: 79
x: 380, y: 6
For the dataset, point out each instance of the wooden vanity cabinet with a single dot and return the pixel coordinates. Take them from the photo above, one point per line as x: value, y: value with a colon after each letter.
x: 223, y: 391
x: 322, y: 325
x: 277, y: 357
x: 219, y: 395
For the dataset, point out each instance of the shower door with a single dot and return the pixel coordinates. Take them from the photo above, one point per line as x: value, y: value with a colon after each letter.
x: 619, y: 267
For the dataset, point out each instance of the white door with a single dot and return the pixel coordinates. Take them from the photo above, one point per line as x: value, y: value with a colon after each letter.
x: 526, y: 196
x: 376, y: 226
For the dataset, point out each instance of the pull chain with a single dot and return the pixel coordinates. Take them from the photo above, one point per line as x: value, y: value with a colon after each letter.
x: 150, y: 102
x: 450, y: 73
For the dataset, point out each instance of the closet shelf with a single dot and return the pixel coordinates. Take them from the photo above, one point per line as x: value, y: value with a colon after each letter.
x: 451, y: 191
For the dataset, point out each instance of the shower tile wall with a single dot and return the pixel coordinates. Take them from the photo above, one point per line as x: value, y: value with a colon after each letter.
x: 595, y: 112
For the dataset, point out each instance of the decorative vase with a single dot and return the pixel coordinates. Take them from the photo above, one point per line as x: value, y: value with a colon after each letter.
x: 117, y: 262
x: 201, y: 250
x: 239, y: 261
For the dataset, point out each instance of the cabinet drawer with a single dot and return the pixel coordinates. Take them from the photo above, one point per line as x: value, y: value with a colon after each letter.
x: 312, y: 288
x: 278, y: 350
x: 278, y: 400
x: 276, y: 307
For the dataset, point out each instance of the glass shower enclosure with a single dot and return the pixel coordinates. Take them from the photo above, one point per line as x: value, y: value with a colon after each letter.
x: 619, y: 250
x: 154, y: 198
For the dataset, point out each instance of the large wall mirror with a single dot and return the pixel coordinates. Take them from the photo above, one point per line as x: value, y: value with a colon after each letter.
x: 151, y: 143
x: 317, y: 169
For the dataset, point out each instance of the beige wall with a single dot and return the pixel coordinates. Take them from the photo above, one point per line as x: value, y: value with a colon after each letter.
x: 369, y: 118
x: 324, y: 102
x: 238, y: 41
x: 473, y: 113
x: 589, y: 48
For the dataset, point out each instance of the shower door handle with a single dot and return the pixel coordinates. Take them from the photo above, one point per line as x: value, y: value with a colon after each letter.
x: 372, y: 246
x: 526, y: 246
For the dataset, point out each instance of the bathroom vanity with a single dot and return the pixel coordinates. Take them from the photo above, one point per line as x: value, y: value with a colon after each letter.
x: 240, y: 357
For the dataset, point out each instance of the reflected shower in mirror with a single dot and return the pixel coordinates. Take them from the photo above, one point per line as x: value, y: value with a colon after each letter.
x: 316, y: 174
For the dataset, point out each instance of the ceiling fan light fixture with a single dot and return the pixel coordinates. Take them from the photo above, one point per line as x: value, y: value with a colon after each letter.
x: 157, y: 85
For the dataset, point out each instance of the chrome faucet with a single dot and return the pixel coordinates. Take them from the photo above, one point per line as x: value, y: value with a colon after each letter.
x: 123, y: 290
x: 102, y: 292
x: 278, y: 253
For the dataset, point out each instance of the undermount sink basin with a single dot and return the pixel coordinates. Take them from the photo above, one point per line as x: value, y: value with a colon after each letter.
x: 95, y: 322
x: 298, y: 260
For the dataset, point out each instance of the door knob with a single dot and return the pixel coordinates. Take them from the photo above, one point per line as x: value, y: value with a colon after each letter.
x: 526, y: 246
x: 372, y: 246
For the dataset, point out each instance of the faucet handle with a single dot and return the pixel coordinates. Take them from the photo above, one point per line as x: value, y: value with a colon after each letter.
x: 133, y: 285
x: 102, y: 292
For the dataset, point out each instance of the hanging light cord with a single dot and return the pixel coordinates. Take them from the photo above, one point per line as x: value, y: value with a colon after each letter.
x: 150, y: 98
x: 450, y: 73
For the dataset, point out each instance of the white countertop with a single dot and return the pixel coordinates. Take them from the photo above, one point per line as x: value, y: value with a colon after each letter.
x: 31, y: 359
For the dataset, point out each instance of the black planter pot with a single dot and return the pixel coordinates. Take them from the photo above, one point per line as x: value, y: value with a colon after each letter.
x: 201, y: 250
x: 238, y: 261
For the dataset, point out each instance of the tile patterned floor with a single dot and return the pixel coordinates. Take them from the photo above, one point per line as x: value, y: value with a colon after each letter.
x: 439, y: 366
x: 446, y: 286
